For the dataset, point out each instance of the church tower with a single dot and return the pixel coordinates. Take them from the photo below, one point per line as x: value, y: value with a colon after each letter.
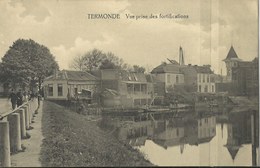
x: 231, y: 61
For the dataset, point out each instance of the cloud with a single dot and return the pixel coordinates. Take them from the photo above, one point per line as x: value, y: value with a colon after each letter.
x: 64, y: 28
x: 64, y: 56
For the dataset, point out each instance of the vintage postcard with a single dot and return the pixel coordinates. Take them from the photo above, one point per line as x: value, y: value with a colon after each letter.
x: 129, y: 83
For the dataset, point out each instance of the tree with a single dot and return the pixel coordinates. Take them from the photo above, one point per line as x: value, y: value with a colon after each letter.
x: 78, y: 63
x: 27, y: 63
x: 138, y: 69
x: 96, y: 59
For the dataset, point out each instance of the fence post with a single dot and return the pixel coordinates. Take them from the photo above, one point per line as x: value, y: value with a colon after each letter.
x: 5, y: 159
x: 29, y: 113
x: 14, y: 132
x: 27, y: 117
x: 22, y: 123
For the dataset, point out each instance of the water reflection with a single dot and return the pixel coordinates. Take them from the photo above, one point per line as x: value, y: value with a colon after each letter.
x: 189, y: 138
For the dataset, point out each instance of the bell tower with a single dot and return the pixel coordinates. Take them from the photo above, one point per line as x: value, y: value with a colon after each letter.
x: 231, y: 61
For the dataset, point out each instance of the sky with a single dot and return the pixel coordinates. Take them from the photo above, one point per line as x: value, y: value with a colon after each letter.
x: 206, y: 35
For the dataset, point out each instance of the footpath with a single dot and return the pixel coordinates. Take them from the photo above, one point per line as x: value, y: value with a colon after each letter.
x: 30, y: 157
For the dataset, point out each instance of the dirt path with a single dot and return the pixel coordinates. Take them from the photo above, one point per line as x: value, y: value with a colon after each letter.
x: 30, y: 158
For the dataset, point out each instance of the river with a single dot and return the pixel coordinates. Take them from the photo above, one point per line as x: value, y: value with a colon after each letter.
x: 190, y: 138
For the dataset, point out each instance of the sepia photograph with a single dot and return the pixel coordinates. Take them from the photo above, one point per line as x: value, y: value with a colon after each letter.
x: 129, y: 83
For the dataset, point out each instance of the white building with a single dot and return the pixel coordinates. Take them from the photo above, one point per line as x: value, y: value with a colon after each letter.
x: 66, y: 84
x: 169, y: 74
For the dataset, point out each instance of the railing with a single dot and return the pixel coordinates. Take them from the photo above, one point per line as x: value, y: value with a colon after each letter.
x: 13, y: 126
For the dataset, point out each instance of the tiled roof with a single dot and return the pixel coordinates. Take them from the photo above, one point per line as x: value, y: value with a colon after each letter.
x: 132, y: 76
x: 195, y: 69
x: 72, y: 76
x: 167, y: 68
x: 203, y: 69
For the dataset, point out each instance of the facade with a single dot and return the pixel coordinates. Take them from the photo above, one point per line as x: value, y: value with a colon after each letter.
x: 193, y: 78
x: 205, y: 79
x: 245, y: 77
x: 231, y: 61
x: 132, y: 88
x: 169, y: 74
x: 68, y: 84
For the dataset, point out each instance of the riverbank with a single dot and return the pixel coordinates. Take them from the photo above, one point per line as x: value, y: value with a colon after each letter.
x: 71, y: 139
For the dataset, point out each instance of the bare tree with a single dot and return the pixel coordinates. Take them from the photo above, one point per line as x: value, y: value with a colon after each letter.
x: 96, y: 59
x: 78, y: 63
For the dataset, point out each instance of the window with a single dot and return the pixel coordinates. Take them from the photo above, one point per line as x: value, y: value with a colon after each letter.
x: 168, y: 78
x: 207, y: 78
x: 199, y: 88
x: 50, y: 89
x: 203, y: 78
x: 199, y: 77
x: 76, y: 91
x: 60, y: 92
x: 177, y: 79
x: 206, y: 89
x: 213, y: 89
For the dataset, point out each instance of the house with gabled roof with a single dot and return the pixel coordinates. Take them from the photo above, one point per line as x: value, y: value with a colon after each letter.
x: 170, y: 74
x: 67, y: 84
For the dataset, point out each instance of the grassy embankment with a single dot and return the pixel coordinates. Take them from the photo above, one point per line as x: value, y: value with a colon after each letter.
x: 71, y: 140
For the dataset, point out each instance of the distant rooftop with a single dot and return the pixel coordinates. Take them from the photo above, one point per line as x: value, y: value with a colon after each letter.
x: 72, y: 76
x: 167, y: 68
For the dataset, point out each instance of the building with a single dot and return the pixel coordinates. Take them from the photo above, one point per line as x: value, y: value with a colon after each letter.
x: 68, y: 84
x: 205, y: 79
x: 245, y: 78
x: 242, y: 76
x: 231, y: 61
x: 169, y: 74
x: 132, y: 89
x: 199, y: 79
x: 192, y: 78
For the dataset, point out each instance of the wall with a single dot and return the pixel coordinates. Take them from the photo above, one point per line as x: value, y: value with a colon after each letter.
x: 55, y: 90
x: 205, y: 82
x: 169, y: 79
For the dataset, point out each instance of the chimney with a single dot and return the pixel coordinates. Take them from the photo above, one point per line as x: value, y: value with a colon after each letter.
x: 56, y: 73
x: 181, y: 57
